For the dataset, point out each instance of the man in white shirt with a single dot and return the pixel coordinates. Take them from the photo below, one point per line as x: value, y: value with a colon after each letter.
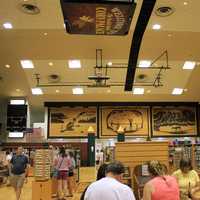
x: 110, y: 187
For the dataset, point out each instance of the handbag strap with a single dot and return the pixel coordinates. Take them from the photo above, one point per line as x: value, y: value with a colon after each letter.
x: 60, y: 164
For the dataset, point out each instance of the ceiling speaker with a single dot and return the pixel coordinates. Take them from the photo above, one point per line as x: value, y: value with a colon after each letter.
x: 54, y: 78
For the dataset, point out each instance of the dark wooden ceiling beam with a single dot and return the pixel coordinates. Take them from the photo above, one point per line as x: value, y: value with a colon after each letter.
x: 143, y: 19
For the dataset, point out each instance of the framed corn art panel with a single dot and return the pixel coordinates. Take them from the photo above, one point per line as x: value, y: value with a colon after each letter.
x: 72, y: 122
x: 172, y: 121
x: 133, y: 120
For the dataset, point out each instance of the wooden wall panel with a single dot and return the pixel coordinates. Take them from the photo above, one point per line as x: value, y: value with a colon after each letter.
x: 145, y: 153
x: 135, y: 153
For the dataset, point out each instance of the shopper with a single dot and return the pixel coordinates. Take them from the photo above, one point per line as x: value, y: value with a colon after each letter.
x: 62, y: 166
x: 8, y: 159
x: 100, y: 174
x: 187, y: 178
x: 161, y: 186
x: 19, y: 171
x: 97, y: 157
x: 110, y: 187
x: 70, y: 180
x: 101, y: 155
x: 102, y: 171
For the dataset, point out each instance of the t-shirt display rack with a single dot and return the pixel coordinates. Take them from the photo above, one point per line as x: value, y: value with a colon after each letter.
x: 42, y: 165
x: 184, y: 149
x: 42, y: 185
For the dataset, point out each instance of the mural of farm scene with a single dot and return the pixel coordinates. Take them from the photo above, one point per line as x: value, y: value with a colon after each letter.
x: 171, y: 121
x: 71, y: 121
x: 133, y: 121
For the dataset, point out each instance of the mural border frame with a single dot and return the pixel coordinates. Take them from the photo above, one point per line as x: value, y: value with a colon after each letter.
x: 71, y: 137
x: 128, y: 136
x: 195, y: 106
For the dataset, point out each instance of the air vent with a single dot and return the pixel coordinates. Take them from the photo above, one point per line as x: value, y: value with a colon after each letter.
x: 141, y: 78
x: 164, y: 11
x: 54, y: 78
x: 29, y: 8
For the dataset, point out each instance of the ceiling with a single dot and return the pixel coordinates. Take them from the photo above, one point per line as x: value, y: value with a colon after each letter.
x: 43, y: 39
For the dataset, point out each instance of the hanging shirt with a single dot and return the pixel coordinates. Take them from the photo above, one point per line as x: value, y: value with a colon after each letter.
x: 108, y: 189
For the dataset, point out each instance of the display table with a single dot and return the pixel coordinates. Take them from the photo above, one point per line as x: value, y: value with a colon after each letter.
x: 41, y: 190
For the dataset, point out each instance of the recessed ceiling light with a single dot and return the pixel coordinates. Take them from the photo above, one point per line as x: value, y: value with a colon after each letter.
x: 45, y: 34
x: 185, y: 3
x: 17, y: 90
x: 177, y: 91
x: 77, y: 90
x: 109, y: 64
x: 145, y: 63
x: 189, y: 65
x: 7, y: 66
x: 27, y: 64
x: 74, y: 64
x: 7, y: 25
x: 36, y: 91
x: 57, y: 91
x: 156, y: 27
x: 50, y: 64
x: 138, y: 91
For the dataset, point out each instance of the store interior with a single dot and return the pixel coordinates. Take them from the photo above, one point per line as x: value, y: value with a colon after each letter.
x: 105, y: 80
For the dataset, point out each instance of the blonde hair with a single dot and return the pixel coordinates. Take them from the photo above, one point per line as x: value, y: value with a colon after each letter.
x: 156, y: 168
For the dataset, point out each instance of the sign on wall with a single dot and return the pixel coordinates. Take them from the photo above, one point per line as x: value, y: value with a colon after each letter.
x: 98, y: 17
x: 71, y: 121
x: 174, y: 121
x: 134, y: 121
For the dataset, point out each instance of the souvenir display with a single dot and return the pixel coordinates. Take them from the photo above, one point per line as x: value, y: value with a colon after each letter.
x: 42, y: 164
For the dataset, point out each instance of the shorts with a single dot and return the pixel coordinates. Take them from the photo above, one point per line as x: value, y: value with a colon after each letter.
x: 54, y: 173
x: 17, y: 181
x: 62, y: 175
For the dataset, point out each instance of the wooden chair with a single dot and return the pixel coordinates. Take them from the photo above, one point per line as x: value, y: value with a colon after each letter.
x: 140, y: 180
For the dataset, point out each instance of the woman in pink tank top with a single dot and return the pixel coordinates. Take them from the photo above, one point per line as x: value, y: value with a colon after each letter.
x: 63, y: 163
x: 161, y: 187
